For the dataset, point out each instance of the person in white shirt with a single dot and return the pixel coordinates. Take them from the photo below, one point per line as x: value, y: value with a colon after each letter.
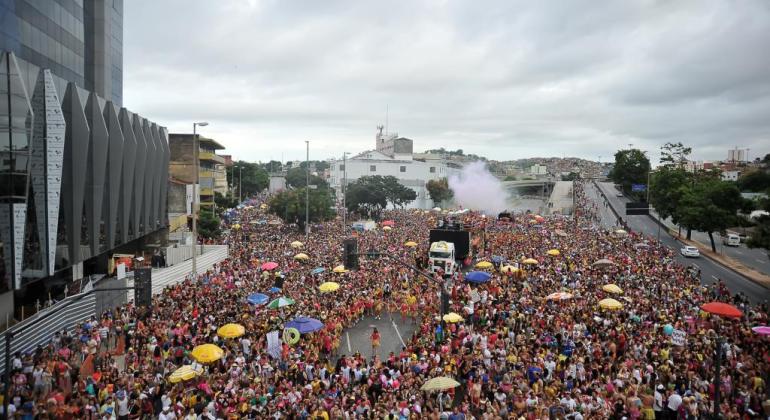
x: 657, y: 404
x: 674, y: 401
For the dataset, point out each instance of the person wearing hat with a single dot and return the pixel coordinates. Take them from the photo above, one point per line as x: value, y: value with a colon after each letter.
x: 659, y: 401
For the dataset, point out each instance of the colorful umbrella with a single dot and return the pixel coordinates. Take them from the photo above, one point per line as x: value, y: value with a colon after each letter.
x: 559, y: 296
x: 553, y: 252
x: 477, y: 277
x: 497, y: 259
x: 508, y: 269
x: 602, y: 263
x: 530, y: 261
x: 439, y: 384
x: 280, y: 302
x: 340, y: 269
x: 722, y: 309
x: 184, y: 373
x: 231, y: 330
x: 207, y: 353
x: 484, y: 264
x: 304, y: 324
x: 609, y: 303
x: 411, y: 244
x: 270, y: 265
x: 257, y: 299
x: 453, y: 317
x: 274, y: 290
x: 388, y: 223
x: 301, y: 257
x: 386, y: 228
x: 761, y: 330
x: 318, y: 270
x: 329, y: 286
x: 612, y: 288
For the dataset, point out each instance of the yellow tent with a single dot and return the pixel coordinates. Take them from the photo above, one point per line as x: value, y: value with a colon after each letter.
x: 553, y: 252
x: 231, y: 330
x: 207, y: 353
x: 612, y: 288
x: 483, y: 264
x: 610, y: 304
x: 329, y: 286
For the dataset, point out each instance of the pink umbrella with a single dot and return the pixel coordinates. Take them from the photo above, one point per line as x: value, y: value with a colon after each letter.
x: 761, y: 330
x: 269, y: 266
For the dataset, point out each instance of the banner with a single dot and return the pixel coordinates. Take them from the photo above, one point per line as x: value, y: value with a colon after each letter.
x: 274, y: 344
x: 678, y: 338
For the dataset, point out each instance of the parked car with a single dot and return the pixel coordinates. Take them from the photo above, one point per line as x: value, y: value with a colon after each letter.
x: 690, y: 251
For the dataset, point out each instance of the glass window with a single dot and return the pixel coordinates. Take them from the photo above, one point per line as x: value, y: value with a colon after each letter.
x: 342, y: 167
x: 403, y: 169
x: 373, y: 168
x: 433, y: 169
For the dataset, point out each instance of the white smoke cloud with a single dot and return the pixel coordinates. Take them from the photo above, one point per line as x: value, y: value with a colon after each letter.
x: 477, y: 189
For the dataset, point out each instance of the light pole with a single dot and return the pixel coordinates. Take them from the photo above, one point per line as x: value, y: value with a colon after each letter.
x: 307, y: 188
x: 344, y: 192
x: 240, y: 184
x: 196, y: 191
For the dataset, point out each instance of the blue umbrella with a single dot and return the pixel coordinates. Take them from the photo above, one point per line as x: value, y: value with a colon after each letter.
x: 497, y: 259
x: 304, y: 324
x: 257, y: 299
x: 275, y: 289
x: 318, y: 270
x: 477, y: 277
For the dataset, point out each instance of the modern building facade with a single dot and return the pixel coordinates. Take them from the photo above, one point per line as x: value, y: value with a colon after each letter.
x: 393, y: 156
x: 80, y: 41
x: 80, y: 176
x: 212, y: 175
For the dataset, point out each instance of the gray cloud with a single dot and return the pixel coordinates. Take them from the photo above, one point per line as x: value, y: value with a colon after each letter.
x: 505, y: 79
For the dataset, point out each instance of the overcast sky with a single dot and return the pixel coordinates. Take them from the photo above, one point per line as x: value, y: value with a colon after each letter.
x: 503, y: 79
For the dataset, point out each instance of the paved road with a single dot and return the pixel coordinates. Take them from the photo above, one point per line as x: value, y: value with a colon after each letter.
x: 710, y: 271
x: 392, y: 332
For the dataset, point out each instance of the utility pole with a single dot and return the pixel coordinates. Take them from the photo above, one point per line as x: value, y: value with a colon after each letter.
x: 344, y: 192
x: 307, y: 188
x: 240, y: 184
x: 196, y: 192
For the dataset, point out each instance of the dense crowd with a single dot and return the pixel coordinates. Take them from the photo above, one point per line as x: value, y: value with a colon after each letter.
x: 516, y: 354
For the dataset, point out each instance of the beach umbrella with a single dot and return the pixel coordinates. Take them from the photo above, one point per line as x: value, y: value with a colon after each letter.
x: 184, y: 373
x: 508, y: 269
x: 236, y: 226
x: 257, y: 299
x: 553, y: 252
x: 329, y: 286
x: 388, y: 223
x: 280, y: 302
x: 477, y: 277
x: 484, y: 264
x: 761, y: 330
x: 410, y: 244
x: 440, y: 383
x: 301, y: 257
x: 340, y: 269
x: 453, y: 317
x: 620, y: 232
x: 722, y: 309
x: 386, y: 228
x: 612, y: 288
x: 497, y: 259
x: 231, y: 330
x: 304, y: 324
x: 263, y: 206
x: 318, y: 270
x: 602, y: 263
x: 297, y: 244
x: 270, y: 265
x: 610, y: 304
x: 530, y: 261
x: 207, y: 353
x: 274, y: 290
x: 559, y: 296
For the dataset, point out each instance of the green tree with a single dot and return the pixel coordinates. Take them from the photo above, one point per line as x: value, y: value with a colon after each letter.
x: 367, y: 195
x: 290, y: 206
x: 754, y: 181
x: 669, y: 183
x: 760, y: 237
x: 397, y: 194
x: 439, y: 190
x: 223, y: 202
x: 209, y: 224
x: 631, y: 167
x: 709, y: 206
x: 255, y: 178
x: 572, y: 176
x: 674, y: 154
x: 296, y: 178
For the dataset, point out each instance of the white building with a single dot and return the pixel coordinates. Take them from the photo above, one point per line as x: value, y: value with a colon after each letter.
x: 393, y: 156
x: 538, y: 169
x: 736, y: 155
x: 730, y: 175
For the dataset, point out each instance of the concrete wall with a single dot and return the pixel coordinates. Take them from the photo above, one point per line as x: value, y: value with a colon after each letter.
x: 6, y: 309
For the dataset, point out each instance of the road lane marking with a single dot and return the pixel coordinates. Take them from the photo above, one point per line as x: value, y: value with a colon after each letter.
x: 398, y: 333
x: 350, y: 349
x: 696, y: 266
x: 760, y: 261
x: 715, y: 278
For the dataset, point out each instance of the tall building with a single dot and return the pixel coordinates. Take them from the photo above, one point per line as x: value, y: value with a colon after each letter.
x: 212, y: 175
x: 80, y: 175
x: 736, y: 155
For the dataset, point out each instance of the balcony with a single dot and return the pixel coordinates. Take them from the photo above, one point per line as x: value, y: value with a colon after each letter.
x: 205, y: 191
x: 211, y: 157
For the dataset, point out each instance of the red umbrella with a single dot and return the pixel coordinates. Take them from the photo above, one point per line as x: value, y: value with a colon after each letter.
x: 269, y: 266
x: 722, y: 309
x: 388, y: 223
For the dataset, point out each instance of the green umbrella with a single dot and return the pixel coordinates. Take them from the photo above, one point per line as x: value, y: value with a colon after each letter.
x: 280, y: 303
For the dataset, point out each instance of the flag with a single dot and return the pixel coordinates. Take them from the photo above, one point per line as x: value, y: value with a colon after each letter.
x: 274, y: 344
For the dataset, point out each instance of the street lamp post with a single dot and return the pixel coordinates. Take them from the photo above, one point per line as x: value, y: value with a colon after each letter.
x: 196, y: 192
x: 307, y: 188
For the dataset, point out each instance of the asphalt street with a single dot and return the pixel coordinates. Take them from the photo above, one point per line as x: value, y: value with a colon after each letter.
x: 710, y: 271
x: 393, y: 333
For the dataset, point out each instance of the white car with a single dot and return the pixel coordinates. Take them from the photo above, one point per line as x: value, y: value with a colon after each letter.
x: 619, y: 194
x: 690, y: 251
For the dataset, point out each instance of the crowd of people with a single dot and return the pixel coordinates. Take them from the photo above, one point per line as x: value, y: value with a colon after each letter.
x: 516, y: 354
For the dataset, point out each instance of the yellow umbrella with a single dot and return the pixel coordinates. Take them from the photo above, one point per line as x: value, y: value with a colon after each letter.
x: 231, y: 330
x: 340, y: 269
x: 301, y: 256
x: 620, y: 232
x: 553, y: 252
x: 411, y: 244
x: 508, y: 269
x: 184, y: 373
x: 297, y: 244
x: 453, y: 317
x: 610, y: 304
x: 386, y: 228
x: 329, y: 286
x: 236, y: 226
x: 483, y: 264
x: 612, y: 288
x: 530, y: 261
x: 439, y: 384
x: 263, y: 206
x: 207, y: 353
